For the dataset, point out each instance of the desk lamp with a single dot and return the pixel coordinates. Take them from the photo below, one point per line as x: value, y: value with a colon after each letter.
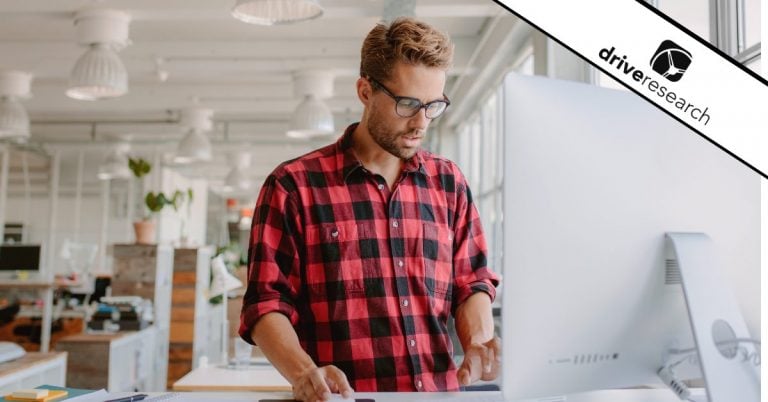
x: 223, y: 282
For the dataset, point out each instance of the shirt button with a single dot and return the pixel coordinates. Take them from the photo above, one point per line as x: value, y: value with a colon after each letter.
x: 380, y: 186
x: 418, y: 384
x: 400, y: 263
x: 394, y: 224
x: 412, y: 343
x: 405, y: 302
x: 335, y: 233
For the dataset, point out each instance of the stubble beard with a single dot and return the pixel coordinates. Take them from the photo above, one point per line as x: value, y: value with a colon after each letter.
x: 387, y: 138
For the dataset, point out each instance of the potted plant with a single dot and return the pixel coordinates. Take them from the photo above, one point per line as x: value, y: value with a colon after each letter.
x: 155, y: 202
x: 144, y: 228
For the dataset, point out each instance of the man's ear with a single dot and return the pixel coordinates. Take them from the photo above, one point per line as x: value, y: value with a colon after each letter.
x: 364, y: 91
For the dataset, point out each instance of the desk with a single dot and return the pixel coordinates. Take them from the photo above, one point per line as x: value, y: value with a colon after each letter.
x: 46, y: 288
x: 213, y: 378
x: 630, y: 395
x: 33, y: 369
x: 120, y: 361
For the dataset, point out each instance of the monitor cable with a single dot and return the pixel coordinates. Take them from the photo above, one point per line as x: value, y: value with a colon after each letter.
x: 667, y: 372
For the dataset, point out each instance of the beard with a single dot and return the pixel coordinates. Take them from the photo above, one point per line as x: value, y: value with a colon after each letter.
x: 386, y: 137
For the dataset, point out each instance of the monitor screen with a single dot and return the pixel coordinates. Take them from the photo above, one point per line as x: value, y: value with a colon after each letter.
x: 19, y: 257
x: 593, y: 180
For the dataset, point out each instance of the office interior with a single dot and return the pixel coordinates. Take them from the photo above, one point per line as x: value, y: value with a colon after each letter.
x: 212, y: 104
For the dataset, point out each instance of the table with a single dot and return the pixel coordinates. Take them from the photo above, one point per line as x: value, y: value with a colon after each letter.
x: 261, y: 378
x: 624, y: 395
x: 32, y: 369
x: 120, y: 361
x: 47, y: 288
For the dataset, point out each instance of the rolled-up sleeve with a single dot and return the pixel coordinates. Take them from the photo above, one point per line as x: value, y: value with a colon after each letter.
x: 273, y: 257
x: 470, y: 261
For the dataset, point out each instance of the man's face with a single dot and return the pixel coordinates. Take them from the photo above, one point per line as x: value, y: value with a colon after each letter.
x: 402, y: 136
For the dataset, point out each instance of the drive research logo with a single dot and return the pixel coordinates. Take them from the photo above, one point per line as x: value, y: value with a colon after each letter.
x: 666, y: 58
x: 671, y: 60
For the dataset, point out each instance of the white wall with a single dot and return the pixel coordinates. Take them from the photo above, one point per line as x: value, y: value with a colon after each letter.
x: 119, y: 229
x: 193, y: 215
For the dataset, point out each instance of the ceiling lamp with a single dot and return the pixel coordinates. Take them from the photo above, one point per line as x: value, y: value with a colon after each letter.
x: 275, y: 12
x: 312, y: 117
x: 115, y: 165
x: 14, y: 121
x: 99, y: 73
x: 238, y: 179
x: 195, y: 146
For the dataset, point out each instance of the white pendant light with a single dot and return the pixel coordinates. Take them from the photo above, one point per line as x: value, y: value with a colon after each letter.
x: 274, y: 12
x: 99, y: 73
x: 237, y: 179
x: 195, y: 146
x: 14, y: 120
x: 311, y: 118
x: 115, y: 165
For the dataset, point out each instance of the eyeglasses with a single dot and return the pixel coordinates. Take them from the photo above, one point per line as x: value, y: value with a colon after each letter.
x: 408, y: 107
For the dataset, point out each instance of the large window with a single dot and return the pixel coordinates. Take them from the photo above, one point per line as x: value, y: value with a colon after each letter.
x: 741, y: 21
x: 479, y: 153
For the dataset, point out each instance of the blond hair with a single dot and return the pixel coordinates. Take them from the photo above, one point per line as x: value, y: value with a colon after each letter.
x: 404, y: 40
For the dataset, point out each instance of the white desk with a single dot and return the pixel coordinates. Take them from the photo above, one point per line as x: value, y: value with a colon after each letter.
x: 214, y: 378
x: 33, y: 369
x: 633, y: 395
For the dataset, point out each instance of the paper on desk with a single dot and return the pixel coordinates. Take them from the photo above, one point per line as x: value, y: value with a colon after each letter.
x: 97, y: 396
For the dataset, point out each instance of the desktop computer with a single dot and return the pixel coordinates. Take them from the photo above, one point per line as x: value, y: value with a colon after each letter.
x: 16, y: 258
x: 599, y: 285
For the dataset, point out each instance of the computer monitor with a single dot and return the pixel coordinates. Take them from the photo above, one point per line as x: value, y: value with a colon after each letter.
x: 19, y: 257
x: 593, y: 180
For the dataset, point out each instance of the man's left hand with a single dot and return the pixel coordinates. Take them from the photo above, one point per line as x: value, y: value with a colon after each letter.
x: 481, y: 362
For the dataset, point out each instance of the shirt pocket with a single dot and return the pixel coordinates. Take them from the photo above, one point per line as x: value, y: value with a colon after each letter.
x: 334, y: 269
x: 437, y: 248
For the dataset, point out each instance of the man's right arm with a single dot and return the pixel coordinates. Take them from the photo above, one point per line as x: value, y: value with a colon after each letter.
x: 278, y: 340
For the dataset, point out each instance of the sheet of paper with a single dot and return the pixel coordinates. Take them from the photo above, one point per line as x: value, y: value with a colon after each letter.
x: 97, y: 396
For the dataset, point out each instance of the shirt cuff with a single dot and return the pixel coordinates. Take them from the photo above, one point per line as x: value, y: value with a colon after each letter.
x: 251, y: 314
x: 462, y: 294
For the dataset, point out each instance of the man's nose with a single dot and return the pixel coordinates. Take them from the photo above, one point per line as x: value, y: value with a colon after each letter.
x: 420, y: 120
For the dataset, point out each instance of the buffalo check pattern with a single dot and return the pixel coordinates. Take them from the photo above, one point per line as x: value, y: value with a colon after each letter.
x: 367, y: 276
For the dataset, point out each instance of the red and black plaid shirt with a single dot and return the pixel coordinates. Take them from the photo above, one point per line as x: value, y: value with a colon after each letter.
x: 368, y: 277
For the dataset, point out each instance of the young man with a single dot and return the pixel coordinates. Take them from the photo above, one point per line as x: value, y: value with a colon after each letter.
x: 362, y: 249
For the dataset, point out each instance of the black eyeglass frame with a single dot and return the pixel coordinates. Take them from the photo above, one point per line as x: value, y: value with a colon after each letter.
x: 424, y: 106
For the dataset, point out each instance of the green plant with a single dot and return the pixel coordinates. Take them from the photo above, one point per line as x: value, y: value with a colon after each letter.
x: 139, y: 166
x: 155, y: 202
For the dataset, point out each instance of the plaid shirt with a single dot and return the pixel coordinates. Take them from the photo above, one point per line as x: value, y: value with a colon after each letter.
x: 368, y: 276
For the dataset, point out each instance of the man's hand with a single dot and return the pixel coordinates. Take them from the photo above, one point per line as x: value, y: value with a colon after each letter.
x: 481, y: 362
x: 316, y: 384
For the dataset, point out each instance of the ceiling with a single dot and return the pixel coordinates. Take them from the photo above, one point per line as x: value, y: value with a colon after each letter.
x: 241, y: 71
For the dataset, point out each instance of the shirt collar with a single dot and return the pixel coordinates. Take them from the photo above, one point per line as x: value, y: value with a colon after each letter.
x: 348, y: 162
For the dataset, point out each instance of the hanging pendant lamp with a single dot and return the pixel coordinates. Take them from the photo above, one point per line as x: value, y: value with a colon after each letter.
x: 99, y: 73
x: 14, y: 120
x: 275, y: 12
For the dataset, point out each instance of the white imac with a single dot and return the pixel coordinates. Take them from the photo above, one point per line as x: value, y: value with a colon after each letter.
x: 593, y: 181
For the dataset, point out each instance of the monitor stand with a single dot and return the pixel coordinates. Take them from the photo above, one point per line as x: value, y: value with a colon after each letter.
x: 716, y: 321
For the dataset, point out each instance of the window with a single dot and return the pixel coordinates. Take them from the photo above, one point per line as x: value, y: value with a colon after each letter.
x: 751, y: 23
x: 692, y: 14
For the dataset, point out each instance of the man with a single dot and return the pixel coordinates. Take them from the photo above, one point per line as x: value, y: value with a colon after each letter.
x: 362, y: 249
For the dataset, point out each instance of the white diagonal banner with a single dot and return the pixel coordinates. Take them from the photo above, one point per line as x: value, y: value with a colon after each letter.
x: 662, y: 63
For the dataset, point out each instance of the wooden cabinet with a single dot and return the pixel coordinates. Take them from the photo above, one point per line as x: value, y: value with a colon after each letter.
x: 119, y: 362
x: 195, y: 323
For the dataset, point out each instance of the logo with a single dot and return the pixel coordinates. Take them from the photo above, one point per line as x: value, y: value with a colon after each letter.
x: 671, y: 60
